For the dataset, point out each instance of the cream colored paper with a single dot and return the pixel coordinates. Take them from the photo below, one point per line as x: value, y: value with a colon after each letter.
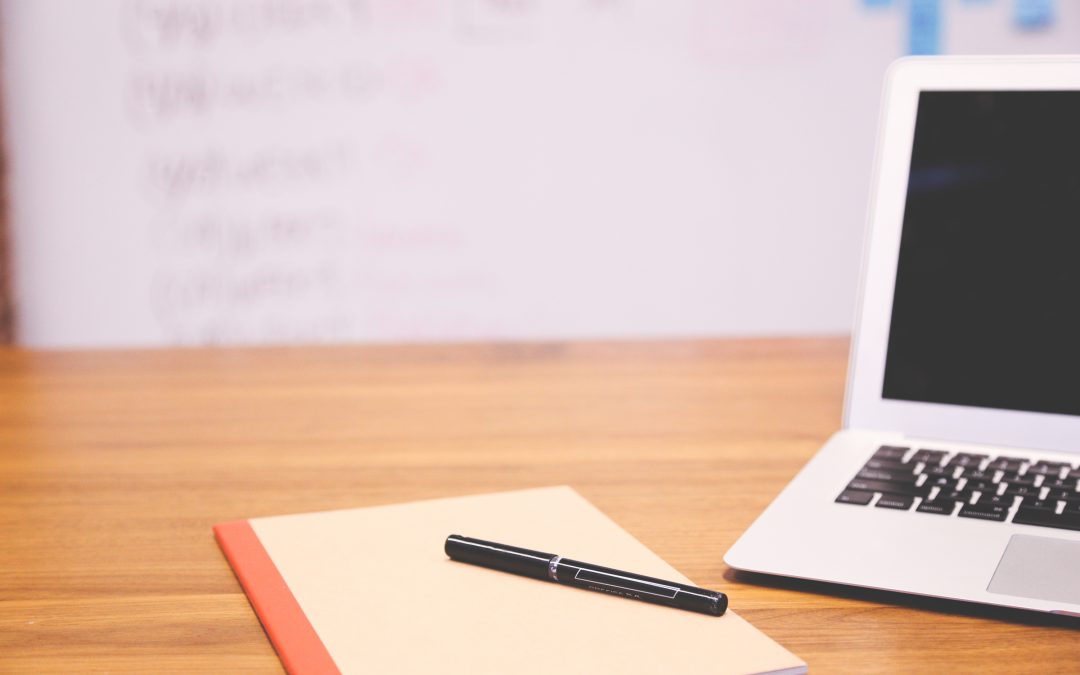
x: 384, y: 598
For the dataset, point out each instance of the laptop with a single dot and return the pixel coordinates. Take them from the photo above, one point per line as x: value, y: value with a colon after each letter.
x: 955, y: 474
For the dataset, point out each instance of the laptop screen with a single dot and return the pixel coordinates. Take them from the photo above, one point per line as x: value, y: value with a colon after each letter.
x: 987, y: 300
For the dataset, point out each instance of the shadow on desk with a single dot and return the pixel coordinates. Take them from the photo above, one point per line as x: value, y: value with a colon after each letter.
x: 941, y: 605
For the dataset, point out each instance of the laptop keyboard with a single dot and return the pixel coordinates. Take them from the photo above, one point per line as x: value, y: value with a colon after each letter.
x: 969, y: 485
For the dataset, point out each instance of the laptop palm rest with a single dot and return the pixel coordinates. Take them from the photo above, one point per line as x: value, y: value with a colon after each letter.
x: 1043, y: 568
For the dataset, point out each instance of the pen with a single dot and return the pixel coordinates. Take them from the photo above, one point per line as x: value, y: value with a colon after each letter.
x: 551, y: 567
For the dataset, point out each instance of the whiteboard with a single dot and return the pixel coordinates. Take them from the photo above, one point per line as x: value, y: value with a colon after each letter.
x: 187, y: 172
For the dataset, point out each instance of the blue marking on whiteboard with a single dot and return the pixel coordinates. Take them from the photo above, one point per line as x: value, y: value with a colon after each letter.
x: 1033, y: 14
x: 924, y: 27
x: 877, y: 3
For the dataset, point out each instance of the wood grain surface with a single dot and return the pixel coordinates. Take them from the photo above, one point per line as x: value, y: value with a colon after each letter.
x: 7, y: 256
x: 114, y: 466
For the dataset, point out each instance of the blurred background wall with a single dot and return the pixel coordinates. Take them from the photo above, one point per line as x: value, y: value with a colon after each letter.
x: 249, y: 171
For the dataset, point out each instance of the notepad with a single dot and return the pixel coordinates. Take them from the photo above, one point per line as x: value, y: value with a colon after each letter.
x: 371, y: 590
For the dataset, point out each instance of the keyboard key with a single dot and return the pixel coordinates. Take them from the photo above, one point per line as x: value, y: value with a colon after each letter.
x: 1060, y: 484
x: 895, y: 502
x: 895, y: 476
x: 889, y: 465
x: 1047, y: 518
x: 981, y: 486
x: 943, y: 507
x: 995, y: 500
x: 1051, y: 465
x: 1006, y: 464
x: 975, y: 474
x: 943, y: 484
x: 855, y: 497
x: 956, y: 496
x: 984, y: 511
x: 1062, y: 494
x: 946, y: 471
x: 928, y: 456
x: 1051, y: 469
x: 1038, y: 504
x: 888, y: 487
x: 966, y: 459
x: 1016, y: 479
x: 892, y: 452
x: 1022, y: 491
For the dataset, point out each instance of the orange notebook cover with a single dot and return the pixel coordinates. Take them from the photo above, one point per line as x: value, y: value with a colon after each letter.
x: 296, y: 642
x: 371, y: 590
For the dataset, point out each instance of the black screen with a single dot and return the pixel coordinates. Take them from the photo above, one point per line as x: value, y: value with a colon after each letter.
x: 987, y: 305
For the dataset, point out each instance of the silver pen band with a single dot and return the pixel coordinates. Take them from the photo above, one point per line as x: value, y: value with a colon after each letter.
x: 553, y: 566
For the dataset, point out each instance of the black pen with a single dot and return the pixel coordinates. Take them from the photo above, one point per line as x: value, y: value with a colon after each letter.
x: 551, y: 567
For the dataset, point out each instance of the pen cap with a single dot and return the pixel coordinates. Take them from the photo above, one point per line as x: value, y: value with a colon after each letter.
x: 499, y: 556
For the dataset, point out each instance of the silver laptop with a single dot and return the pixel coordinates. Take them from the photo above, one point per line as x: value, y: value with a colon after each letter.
x: 956, y: 471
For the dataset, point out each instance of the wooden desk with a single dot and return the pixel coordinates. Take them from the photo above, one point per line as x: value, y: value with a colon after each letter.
x: 114, y: 465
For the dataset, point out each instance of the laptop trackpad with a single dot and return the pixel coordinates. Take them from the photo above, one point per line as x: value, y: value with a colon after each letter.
x: 1039, y: 567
